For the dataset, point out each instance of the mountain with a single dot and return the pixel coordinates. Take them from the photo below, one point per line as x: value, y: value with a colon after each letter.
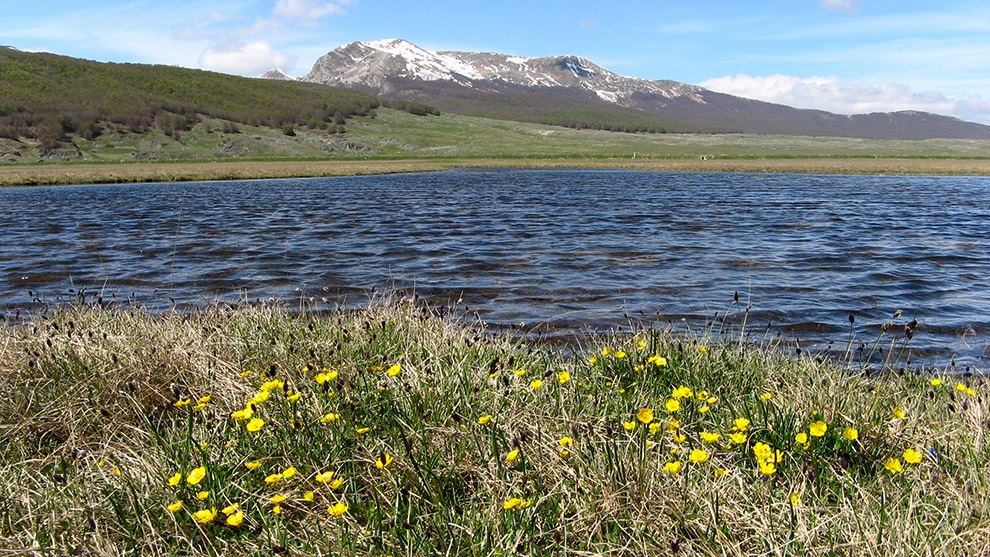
x: 277, y: 74
x: 573, y: 91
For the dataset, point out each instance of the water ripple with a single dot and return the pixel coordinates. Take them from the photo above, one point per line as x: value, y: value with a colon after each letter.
x: 566, y: 250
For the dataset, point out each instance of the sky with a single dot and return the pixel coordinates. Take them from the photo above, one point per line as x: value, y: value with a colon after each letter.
x: 844, y: 56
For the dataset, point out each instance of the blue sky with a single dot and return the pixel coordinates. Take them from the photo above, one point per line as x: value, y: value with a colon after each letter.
x: 847, y: 56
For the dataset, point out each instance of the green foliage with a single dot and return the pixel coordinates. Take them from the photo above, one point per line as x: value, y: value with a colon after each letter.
x: 391, y: 430
x: 51, y: 97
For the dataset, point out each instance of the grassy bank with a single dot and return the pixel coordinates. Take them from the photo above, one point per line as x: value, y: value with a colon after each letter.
x: 393, y: 431
x: 394, y: 141
x: 96, y: 173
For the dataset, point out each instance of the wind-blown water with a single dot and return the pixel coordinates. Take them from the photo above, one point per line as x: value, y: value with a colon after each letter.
x: 557, y: 250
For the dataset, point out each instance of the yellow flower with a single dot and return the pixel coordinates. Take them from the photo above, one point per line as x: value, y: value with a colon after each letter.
x: 272, y: 385
x: 253, y: 465
x: 329, y: 417
x: 893, y: 465
x: 205, y: 516
x: 362, y: 430
x: 563, y: 377
x: 898, y: 413
x: 672, y: 467
x: 645, y: 415
x: 655, y: 427
x: 767, y: 467
x: 337, y: 483
x: 740, y: 424
x: 593, y: 360
x: 673, y: 424
x: 199, y: 407
x: 294, y: 396
x: 960, y: 387
x: 241, y: 415
x: 255, y: 424
x: 657, y: 360
x: 277, y: 510
x: 230, y: 509
x: 912, y: 456
x: 512, y: 503
x: 817, y: 429
x: 512, y: 455
x: 641, y: 343
x: 308, y: 496
x: 175, y: 507
x: 699, y: 455
x: 394, y: 370
x: 682, y: 392
x: 564, y: 453
x: 766, y: 396
x: 288, y: 472
x: 325, y: 376
x: 673, y: 405
x: 324, y: 477
x: 196, y: 475
x: 259, y: 397
x: 181, y: 403
x: 795, y: 499
x: 235, y: 519
x: 565, y: 441
x: 535, y: 384
x: 606, y: 351
x: 203, y: 495
x: 704, y: 409
x: 525, y: 505
x: 337, y: 509
x: 679, y: 438
x: 703, y: 349
x: 204, y: 399
x: 485, y: 419
x: 273, y: 478
x: 384, y: 460
x: 935, y: 382
x: 851, y: 433
x: 801, y: 438
x: 620, y: 355
x: 710, y: 437
x: 246, y: 373
x: 738, y: 437
x: 519, y: 372
x: 175, y: 479
x: 276, y: 499
x: 629, y: 425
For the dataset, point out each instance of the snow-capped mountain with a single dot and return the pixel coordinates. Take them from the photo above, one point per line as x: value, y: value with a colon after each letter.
x: 573, y: 91
x: 277, y: 73
x: 373, y: 64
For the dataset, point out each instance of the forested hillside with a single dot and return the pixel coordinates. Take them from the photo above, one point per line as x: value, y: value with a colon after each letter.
x: 50, y: 98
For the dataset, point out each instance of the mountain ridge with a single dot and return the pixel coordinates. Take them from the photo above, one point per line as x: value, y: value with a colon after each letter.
x: 475, y: 83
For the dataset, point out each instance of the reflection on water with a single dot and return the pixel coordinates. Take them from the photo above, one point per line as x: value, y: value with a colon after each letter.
x: 563, y: 250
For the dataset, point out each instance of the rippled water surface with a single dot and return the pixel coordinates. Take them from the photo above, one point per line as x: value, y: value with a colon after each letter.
x: 557, y: 250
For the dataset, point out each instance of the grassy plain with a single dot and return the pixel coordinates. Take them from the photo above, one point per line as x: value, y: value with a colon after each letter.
x: 393, y: 430
x: 394, y: 141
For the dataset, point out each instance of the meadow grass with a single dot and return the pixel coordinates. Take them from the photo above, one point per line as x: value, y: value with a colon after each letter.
x: 400, y: 429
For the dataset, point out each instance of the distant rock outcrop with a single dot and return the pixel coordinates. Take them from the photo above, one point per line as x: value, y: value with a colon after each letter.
x: 276, y: 73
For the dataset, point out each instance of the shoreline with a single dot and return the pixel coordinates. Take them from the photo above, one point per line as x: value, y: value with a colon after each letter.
x: 19, y: 175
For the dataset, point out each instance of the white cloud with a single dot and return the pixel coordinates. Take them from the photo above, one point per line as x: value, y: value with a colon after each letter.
x: 848, y: 6
x: 847, y: 97
x: 306, y: 10
x: 253, y: 58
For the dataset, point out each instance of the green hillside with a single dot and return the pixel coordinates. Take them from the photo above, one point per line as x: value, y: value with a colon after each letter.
x: 52, y: 98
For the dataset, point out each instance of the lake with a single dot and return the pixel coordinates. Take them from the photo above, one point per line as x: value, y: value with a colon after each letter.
x: 551, y: 253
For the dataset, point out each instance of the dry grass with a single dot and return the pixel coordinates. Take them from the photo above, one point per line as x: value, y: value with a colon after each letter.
x: 61, y: 174
x: 102, y: 407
